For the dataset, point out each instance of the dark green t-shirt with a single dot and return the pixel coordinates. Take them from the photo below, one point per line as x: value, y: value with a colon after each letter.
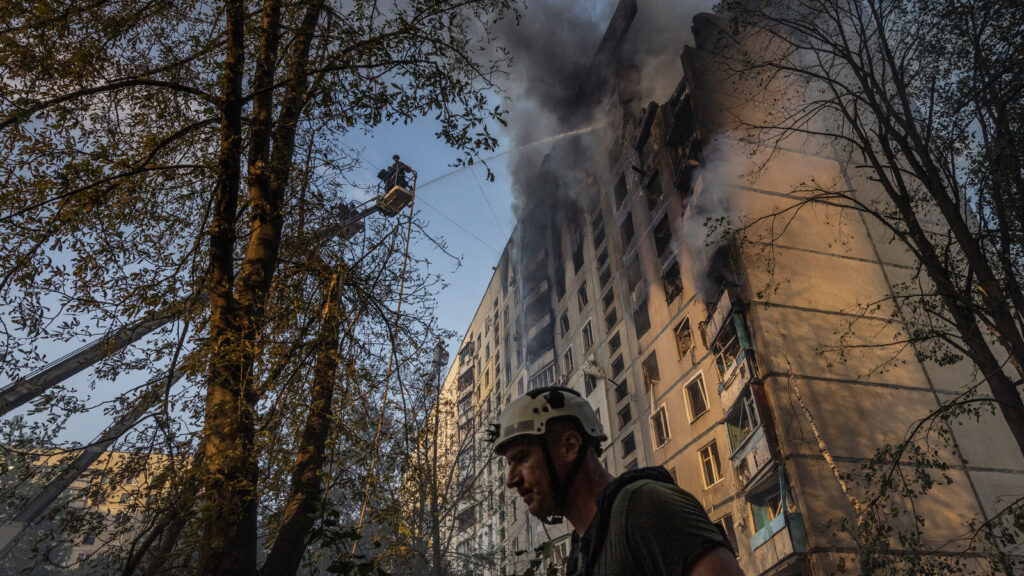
x: 655, y: 529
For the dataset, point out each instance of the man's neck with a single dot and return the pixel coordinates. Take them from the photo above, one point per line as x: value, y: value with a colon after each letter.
x: 582, y: 505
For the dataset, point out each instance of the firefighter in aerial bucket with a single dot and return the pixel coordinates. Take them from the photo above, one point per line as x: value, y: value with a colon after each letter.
x: 398, y: 192
x: 395, y: 174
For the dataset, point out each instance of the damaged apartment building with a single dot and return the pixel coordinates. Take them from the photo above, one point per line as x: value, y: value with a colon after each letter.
x: 690, y: 362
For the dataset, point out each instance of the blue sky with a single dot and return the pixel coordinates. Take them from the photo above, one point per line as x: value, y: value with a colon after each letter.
x: 473, y: 215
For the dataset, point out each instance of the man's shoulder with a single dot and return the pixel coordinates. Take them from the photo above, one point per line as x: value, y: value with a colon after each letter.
x: 649, y: 509
x: 647, y: 489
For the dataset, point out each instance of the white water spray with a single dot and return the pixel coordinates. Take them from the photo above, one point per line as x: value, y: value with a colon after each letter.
x: 540, y: 142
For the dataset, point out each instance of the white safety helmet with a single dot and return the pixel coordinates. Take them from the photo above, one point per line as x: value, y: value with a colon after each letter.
x: 529, y: 414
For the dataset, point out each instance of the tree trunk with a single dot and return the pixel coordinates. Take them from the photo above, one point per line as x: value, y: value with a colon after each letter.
x: 230, y: 540
x: 229, y: 515
x: 305, y: 493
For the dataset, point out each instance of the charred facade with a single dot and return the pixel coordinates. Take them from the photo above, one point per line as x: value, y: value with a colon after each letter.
x: 615, y: 283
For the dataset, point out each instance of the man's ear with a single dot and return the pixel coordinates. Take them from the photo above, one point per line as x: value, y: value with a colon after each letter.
x: 572, y: 443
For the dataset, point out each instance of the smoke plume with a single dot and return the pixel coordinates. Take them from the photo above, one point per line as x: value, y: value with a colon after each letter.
x: 553, y: 47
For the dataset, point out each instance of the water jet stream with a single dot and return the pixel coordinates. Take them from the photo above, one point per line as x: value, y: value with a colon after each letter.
x: 554, y: 138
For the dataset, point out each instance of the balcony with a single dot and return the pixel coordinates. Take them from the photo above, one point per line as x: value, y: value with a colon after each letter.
x: 777, y: 542
x: 717, y: 316
x: 734, y: 380
x: 751, y: 457
x: 539, y: 290
x: 544, y: 322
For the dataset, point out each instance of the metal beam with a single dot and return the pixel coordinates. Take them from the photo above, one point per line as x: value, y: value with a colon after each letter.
x: 27, y: 388
x: 44, y: 499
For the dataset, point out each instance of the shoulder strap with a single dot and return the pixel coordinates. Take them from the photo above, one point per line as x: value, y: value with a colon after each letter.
x: 593, y: 540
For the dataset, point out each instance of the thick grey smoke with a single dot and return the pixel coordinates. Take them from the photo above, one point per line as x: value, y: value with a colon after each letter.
x: 710, y: 215
x: 553, y: 47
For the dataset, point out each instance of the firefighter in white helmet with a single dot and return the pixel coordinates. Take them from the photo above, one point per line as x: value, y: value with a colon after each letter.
x: 639, y: 523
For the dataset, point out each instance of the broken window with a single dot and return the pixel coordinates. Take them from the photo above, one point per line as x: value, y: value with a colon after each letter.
x: 742, y: 419
x: 659, y: 427
x: 589, y: 383
x: 726, y: 524
x: 710, y: 465
x: 620, y: 191
x: 633, y: 274
x: 564, y: 322
x: 583, y: 299
x: 765, y: 506
x: 609, y: 298
x: 628, y: 445
x: 577, y: 257
x: 653, y: 191
x: 641, y: 319
x: 610, y: 319
x: 729, y: 345
x: 559, y: 280
x: 684, y: 338
x: 606, y: 275
x: 696, y: 398
x: 621, y: 391
x: 614, y: 344
x: 628, y: 232
x: 673, y: 283
x: 588, y: 337
x: 662, y: 236
x: 617, y: 366
x: 625, y: 415
x: 567, y: 362
x: 652, y: 376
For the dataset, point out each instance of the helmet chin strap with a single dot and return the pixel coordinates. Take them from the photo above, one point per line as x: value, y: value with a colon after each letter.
x: 560, y: 486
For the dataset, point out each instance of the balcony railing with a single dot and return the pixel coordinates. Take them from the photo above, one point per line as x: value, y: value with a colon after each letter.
x: 717, y: 316
x: 751, y: 457
x: 777, y: 541
x: 738, y: 376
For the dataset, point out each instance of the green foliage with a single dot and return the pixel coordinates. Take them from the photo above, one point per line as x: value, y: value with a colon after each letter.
x: 110, y: 158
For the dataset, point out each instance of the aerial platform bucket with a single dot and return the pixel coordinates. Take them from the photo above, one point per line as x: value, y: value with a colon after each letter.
x: 399, y: 191
x: 395, y: 200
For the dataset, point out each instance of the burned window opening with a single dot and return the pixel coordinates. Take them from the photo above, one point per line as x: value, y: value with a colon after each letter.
x: 620, y: 191
x: 673, y: 282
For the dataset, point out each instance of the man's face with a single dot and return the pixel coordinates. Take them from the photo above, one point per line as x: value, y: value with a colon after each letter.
x: 528, y: 474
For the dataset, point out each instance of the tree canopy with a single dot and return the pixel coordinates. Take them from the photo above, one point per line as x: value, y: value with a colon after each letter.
x: 190, y: 158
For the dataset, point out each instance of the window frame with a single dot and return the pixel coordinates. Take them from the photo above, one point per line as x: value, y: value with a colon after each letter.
x: 699, y: 378
x: 675, y: 332
x: 582, y: 297
x: 625, y: 415
x: 660, y: 416
x: 568, y: 363
x: 587, y: 334
x: 716, y: 464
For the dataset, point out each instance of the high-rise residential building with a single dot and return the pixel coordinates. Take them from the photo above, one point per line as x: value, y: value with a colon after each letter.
x: 114, y: 515
x: 747, y: 366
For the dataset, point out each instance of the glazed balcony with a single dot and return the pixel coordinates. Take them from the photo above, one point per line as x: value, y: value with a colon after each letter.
x: 751, y: 457
x: 735, y: 379
x: 777, y: 543
x: 718, y: 314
